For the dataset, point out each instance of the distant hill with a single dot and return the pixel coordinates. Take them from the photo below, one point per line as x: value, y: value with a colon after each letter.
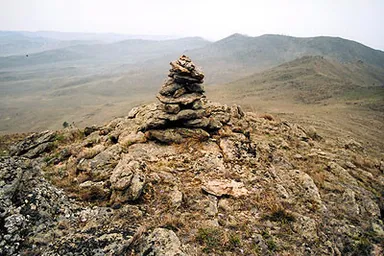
x: 17, y: 43
x: 225, y: 60
x: 105, y: 37
x: 311, y: 80
x: 128, y: 51
x: 26, y: 42
x: 236, y: 55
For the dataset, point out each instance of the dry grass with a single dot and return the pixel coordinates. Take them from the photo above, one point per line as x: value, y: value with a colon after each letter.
x: 9, y: 139
x: 364, y: 162
x: 217, y: 240
x: 93, y: 194
x: 173, y: 222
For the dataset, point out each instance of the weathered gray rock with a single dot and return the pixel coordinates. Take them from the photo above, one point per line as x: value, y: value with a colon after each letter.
x: 186, y: 79
x: 170, y: 87
x: 34, y: 145
x: 179, y: 92
x: 197, y: 123
x: 93, y: 191
x: 28, y: 204
x: 301, y: 187
x: 127, y: 181
x: 195, y: 88
x: 133, y: 112
x: 137, y: 186
x: 161, y: 242
x: 237, y: 147
x: 198, y: 104
x: 90, y: 129
x: 186, y: 114
x: 184, y: 66
x: 102, y: 164
x: 127, y: 139
x: 177, y: 135
x: 225, y: 187
x: 212, y: 208
x: 176, y: 198
x: 183, y: 99
x: 172, y: 108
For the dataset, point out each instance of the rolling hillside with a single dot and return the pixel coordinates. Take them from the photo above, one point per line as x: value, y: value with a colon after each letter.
x: 312, y: 79
x: 339, y: 100
x: 236, y: 55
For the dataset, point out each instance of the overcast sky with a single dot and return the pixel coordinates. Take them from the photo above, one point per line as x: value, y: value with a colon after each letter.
x: 359, y: 20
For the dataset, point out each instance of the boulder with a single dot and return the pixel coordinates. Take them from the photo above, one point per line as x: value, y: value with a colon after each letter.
x: 127, y: 181
x: 34, y: 145
x: 161, y: 242
x: 102, y: 164
x: 28, y: 204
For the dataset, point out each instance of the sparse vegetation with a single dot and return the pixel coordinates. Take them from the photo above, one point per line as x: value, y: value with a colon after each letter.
x: 211, y: 238
x: 272, y: 246
x: 215, y: 239
x: 60, y: 137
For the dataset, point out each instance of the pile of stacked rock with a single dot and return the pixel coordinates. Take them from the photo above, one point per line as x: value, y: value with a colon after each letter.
x: 183, y: 89
x: 183, y: 101
x: 183, y: 110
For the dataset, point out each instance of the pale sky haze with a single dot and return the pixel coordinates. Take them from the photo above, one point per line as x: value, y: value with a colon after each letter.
x: 359, y: 20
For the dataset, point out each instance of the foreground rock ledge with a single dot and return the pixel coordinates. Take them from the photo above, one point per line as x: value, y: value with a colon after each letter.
x: 189, y: 177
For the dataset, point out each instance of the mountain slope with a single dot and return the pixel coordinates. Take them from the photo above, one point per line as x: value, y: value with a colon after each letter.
x: 237, y: 55
x: 339, y: 100
x: 310, y: 79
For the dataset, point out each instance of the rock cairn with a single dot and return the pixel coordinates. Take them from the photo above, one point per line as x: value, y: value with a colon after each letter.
x: 183, y: 89
x: 183, y: 110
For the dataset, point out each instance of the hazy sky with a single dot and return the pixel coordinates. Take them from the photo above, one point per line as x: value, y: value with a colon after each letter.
x: 360, y: 20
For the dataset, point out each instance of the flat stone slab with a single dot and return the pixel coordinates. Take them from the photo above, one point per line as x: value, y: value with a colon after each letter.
x: 225, y: 187
x: 185, y: 99
x: 177, y: 135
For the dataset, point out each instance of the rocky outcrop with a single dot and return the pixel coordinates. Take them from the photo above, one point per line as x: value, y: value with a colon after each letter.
x: 34, y: 145
x: 29, y: 205
x: 127, y: 181
x: 161, y: 242
x: 187, y: 176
